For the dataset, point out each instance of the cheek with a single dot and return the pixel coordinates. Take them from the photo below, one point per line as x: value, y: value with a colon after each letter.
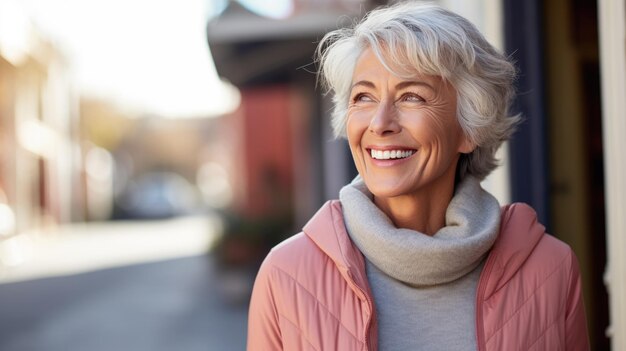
x: 437, y: 129
x: 354, y: 131
x: 426, y: 130
x: 355, y: 127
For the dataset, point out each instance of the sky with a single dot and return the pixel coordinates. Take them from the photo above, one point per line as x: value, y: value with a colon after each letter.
x: 148, y: 55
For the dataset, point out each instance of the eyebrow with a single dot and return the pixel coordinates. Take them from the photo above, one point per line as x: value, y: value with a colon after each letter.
x: 364, y: 83
x: 401, y: 85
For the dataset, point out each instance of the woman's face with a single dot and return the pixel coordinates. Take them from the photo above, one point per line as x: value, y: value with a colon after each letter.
x: 403, y: 133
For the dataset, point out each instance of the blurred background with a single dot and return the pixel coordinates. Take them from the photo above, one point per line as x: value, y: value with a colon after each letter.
x: 152, y: 152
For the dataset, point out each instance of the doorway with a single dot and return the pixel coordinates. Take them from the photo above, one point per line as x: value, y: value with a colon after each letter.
x: 575, y: 153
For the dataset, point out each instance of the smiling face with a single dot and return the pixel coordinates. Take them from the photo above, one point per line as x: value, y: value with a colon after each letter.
x: 403, y: 133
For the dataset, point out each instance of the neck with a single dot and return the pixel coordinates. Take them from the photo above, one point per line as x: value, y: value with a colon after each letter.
x: 424, y: 210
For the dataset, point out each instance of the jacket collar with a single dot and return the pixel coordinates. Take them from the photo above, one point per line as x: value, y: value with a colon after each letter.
x: 519, y: 234
x: 328, y: 231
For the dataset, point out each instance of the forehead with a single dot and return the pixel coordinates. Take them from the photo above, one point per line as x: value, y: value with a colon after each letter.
x: 369, y: 67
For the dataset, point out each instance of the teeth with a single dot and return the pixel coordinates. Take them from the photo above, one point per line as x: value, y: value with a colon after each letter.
x: 387, y: 154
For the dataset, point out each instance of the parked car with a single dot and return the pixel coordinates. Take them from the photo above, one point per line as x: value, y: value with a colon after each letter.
x: 155, y: 195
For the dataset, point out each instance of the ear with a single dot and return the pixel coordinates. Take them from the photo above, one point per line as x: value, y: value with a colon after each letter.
x: 466, y: 146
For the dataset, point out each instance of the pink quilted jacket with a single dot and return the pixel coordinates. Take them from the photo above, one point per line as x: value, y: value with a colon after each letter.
x: 312, y: 293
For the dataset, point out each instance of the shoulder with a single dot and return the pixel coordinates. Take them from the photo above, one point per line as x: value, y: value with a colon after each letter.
x: 556, y: 260
x: 524, y: 252
x: 295, y: 250
x: 322, y: 242
x: 549, y: 262
x: 296, y: 259
x: 552, y: 252
x: 298, y: 268
x: 522, y: 234
x: 552, y: 265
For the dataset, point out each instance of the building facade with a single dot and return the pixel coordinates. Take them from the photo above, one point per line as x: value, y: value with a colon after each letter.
x: 39, y: 151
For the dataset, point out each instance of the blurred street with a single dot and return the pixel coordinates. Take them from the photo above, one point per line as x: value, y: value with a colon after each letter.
x: 165, y: 303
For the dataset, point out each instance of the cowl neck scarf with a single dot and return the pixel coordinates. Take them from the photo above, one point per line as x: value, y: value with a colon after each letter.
x: 472, y: 222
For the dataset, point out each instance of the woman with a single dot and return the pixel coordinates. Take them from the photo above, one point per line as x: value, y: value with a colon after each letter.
x: 416, y: 255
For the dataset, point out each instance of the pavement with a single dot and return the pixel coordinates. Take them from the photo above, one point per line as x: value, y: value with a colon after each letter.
x: 169, y: 303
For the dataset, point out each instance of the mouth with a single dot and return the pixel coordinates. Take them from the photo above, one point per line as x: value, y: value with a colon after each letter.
x: 392, y: 154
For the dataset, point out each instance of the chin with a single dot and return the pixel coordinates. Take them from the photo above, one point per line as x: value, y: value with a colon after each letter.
x: 388, y: 189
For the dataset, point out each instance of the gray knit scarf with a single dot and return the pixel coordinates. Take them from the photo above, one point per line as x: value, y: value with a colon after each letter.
x: 472, y: 223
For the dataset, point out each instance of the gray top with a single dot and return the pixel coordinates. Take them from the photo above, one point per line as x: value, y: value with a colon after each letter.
x: 424, y: 287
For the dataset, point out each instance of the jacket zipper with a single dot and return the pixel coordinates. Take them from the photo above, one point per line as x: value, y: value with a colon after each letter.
x: 369, y: 320
x: 369, y: 305
x: 369, y: 323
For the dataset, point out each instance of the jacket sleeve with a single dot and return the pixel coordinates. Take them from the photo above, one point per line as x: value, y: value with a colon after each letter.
x: 263, y: 328
x: 576, y: 337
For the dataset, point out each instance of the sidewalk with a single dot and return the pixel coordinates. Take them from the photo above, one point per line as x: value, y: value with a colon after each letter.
x: 84, y: 247
x: 166, y: 304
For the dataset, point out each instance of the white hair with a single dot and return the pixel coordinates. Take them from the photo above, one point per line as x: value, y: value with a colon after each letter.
x: 413, y: 37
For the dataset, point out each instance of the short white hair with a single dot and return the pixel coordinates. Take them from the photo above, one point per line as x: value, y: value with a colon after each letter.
x: 413, y: 37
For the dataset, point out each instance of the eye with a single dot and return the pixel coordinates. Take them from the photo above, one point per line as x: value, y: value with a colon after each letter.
x: 411, y: 97
x: 362, y: 97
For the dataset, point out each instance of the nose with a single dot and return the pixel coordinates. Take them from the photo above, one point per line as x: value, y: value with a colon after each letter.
x: 385, y: 120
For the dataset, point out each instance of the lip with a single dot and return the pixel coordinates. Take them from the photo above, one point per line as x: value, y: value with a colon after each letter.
x: 390, y: 162
x: 389, y: 147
